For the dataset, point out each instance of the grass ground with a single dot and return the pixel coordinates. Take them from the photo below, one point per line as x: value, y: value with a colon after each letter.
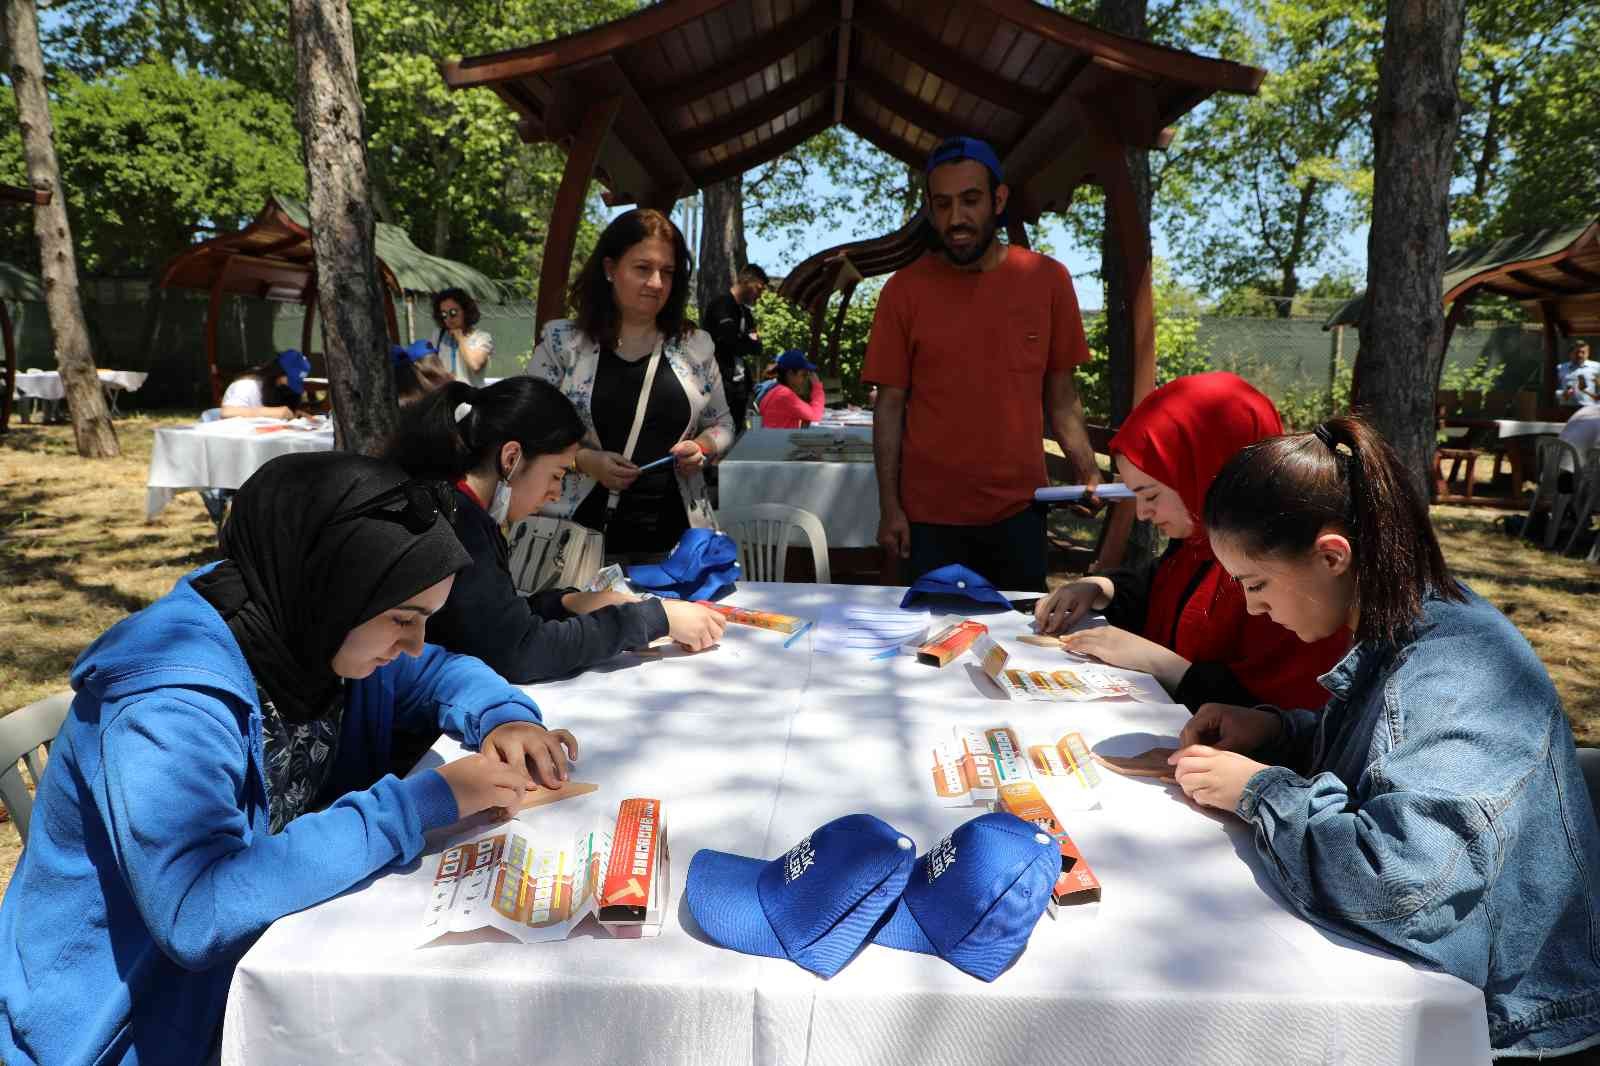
x: 76, y: 555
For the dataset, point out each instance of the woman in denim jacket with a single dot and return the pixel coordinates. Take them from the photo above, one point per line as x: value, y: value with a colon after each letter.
x: 1435, y: 805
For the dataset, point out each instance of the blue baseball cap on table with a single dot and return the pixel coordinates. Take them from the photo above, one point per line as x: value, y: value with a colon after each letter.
x: 955, y: 581
x: 703, y: 566
x: 795, y: 359
x: 296, y: 367
x: 975, y: 897
x: 955, y: 149
x: 402, y: 354
x: 815, y: 905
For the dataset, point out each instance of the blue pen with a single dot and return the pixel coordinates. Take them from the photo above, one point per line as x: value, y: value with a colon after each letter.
x: 888, y: 654
x: 665, y: 459
x: 797, y: 634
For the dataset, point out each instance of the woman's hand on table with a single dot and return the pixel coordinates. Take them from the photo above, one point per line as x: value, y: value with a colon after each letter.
x: 481, y: 782
x: 1230, y: 728
x: 534, y: 751
x: 608, y: 468
x: 690, y: 455
x: 1213, y: 778
x: 1115, y: 646
x: 1067, y: 605
x: 588, y: 602
x: 693, y: 626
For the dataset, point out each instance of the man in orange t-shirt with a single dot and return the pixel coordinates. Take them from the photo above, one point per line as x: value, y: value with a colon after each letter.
x: 972, y: 345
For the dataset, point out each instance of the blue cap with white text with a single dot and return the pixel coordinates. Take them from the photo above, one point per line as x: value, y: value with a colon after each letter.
x: 815, y: 905
x: 975, y: 897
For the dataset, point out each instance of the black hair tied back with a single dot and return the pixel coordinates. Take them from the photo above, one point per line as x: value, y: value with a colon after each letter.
x: 433, y: 443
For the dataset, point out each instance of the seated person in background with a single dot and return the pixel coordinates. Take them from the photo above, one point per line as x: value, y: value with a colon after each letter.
x: 1578, y: 379
x: 272, y: 390
x: 797, y: 397
x: 506, y: 448
x: 464, y: 349
x: 219, y: 768
x: 418, y: 370
x: 1181, y: 618
x: 1435, y: 806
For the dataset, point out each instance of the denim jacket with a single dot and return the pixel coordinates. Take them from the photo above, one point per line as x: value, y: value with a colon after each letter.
x: 1443, y: 814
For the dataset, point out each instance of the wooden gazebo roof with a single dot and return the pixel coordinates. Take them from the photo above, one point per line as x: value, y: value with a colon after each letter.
x: 707, y: 89
x: 811, y: 283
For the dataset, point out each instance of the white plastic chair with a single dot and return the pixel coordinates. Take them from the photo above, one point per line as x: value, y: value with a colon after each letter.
x: 1555, y: 455
x: 22, y: 733
x: 1586, y: 498
x: 764, y: 532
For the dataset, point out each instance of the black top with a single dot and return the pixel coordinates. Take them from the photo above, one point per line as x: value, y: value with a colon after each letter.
x: 650, y: 515
x: 532, y: 638
x: 1203, y: 682
x: 730, y: 324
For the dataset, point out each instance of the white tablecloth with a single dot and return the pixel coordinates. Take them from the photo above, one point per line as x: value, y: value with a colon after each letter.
x: 220, y: 455
x: 46, y: 384
x: 843, y: 495
x: 1507, y: 427
x: 1188, y: 958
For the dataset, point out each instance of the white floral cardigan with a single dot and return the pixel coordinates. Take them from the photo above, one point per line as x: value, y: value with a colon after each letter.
x: 567, y: 358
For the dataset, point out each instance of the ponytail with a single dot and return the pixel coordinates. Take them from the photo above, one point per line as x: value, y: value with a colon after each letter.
x: 1279, y: 495
x: 458, y: 428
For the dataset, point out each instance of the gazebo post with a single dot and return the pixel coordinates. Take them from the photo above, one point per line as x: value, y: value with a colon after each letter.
x: 1547, y: 319
x: 1017, y: 233
x: 310, y: 316
x: 568, y: 212
x: 838, y: 326
x: 213, y: 308
x: 1133, y: 241
x: 814, y: 350
x: 11, y: 367
x: 389, y: 316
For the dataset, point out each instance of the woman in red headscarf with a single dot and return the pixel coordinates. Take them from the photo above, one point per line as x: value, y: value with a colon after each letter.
x: 1183, y: 619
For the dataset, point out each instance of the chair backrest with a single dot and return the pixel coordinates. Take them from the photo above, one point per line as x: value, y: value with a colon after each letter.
x: 1555, y: 455
x: 1589, y: 763
x: 764, y: 532
x: 22, y: 733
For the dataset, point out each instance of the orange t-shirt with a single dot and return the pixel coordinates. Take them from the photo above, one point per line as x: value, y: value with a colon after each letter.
x: 972, y: 349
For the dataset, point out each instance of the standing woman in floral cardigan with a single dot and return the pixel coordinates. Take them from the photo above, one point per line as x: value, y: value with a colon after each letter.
x: 631, y: 335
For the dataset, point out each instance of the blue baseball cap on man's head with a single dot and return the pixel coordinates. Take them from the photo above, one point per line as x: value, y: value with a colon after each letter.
x: 975, y: 897
x: 954, y: 581
x: 703, y: 566
x: 955, y: 149
x: 815, y: 905
x: 296, y: 367
x: 795, y: 359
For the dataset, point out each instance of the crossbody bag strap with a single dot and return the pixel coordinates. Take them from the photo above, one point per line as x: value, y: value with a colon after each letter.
x: 638, y: 421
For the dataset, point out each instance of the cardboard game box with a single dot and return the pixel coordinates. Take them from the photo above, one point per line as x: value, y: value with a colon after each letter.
x: 634, y: 893
x: 950, y: 642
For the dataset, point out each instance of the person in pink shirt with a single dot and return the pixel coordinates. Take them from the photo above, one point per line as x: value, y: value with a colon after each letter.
x: 781, y: 405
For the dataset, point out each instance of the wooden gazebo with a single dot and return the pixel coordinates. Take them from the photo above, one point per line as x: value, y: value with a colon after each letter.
x: 272, y: 258
x: 1554, y: 273
x: 687, y: 93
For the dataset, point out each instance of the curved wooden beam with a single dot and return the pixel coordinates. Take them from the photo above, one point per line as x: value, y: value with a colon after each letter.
x: 568, y: 211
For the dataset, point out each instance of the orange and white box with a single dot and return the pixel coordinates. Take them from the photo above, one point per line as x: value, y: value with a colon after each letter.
x: 1076, y: 883
x: 950, y: 642
x: 633, y: 894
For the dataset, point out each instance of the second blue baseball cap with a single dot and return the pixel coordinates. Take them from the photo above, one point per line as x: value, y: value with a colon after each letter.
x: 703, y: 566
x: 955, y: 149
x: 954, y: 581
x: 794, y: 359
x: 815, y: 905
x: 296, y: 367
x: 402, y: 354
x: 975, y: 897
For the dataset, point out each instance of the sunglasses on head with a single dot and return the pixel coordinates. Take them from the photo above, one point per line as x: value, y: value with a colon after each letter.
x: 414, y: 504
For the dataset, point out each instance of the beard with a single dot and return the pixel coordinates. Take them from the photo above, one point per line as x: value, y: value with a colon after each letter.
x: 985, y: 237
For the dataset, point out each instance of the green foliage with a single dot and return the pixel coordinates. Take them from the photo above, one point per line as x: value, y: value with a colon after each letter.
x: 784, y: 326
x: 153, y: 158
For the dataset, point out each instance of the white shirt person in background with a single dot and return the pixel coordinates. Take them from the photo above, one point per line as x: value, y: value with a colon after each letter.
x: 272, y: 390
x: 1576, y: 380
x: 465, y: 348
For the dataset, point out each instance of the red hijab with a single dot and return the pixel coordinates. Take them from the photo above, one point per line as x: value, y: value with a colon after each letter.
x: 1181, y: 435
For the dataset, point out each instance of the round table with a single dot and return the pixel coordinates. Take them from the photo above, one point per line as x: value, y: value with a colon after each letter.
x: 1188, y: 958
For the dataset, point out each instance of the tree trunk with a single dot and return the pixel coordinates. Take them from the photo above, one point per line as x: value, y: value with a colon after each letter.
x: 91, y: 421
x: 355, y: 336
x: 1414, y: 131
x: 722, y: 249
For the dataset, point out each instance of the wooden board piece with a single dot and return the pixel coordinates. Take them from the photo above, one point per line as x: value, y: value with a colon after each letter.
x: 1149, y: 763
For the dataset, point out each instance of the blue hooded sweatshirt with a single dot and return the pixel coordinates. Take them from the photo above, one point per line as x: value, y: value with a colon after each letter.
x: 149, y: 868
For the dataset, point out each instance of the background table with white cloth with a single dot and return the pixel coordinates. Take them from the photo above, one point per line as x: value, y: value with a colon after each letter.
x: 1190, y: 957
x: 843, y: 494
x: 221, y: 455
x: 46, y: 387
